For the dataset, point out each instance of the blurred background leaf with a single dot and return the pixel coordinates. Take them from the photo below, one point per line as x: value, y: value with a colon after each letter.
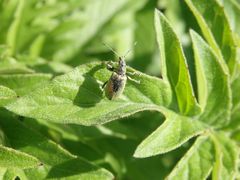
x: 41, y: 39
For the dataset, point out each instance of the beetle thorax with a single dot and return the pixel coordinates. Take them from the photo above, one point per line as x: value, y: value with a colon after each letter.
x: 121, y: 66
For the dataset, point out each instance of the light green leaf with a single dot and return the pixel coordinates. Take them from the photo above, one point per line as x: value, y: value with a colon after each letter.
x: 7, y: 9
x: 85, y: 23
x: 235, y: 86
x: 12, y: 173
x: 9, y: 65
x: 232, y: 9
x: 6, y: 95
x: 49, y: 29
x: 216, y: 30
x: 10, y: 158
x: 227, y: 154
x: 213, y: 83
x: 174, y: 66
x: 235, y: 113
x: 119, y: 31
x: 52, y: 67
x: 175, y: 131
x: 14, y: 27
x: 40, y: 65
x: 235, y: 117
x: 76, y: 97
x: 56, y: 162
x: 24, y: 83
x: 197, y: 163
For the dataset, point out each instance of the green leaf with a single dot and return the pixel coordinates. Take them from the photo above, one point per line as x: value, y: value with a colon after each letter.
x: 213, y: 83
x: 216, y: 30
x: 175, y: 131
x: 56, y: 161
x: 83, y: 23
x: 145, y: 50
x: 7, y: 10
x: 235, y: 113
x: 174, y: 66
x: 14, y: 27
x: 10, y: 158
x: 119, y: 31
x: 76, y: 97
x: 52, y: 67
x: 235, y: 86
x: 227, y: 154
x: 9, y: 65
x: 24, y: 83
x: 6, y: 95
x: 232, y: 9
x: 197, y: 163
x: 12, y: 173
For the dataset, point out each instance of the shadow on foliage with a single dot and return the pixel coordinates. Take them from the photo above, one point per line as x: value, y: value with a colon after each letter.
x: 89, y: 92
x: 70, y: 168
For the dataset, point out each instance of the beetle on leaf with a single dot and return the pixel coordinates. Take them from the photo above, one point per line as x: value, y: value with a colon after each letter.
x: 114, y: 87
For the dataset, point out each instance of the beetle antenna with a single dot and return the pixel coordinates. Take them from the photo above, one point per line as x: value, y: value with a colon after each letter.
x: 128, y: 51
x: 109, y: 47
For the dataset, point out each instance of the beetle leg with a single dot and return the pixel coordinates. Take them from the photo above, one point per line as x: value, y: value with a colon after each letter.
x: 134, y: 73
x: 110, y: 67
x: 134, y: 80
x: 104, y: 84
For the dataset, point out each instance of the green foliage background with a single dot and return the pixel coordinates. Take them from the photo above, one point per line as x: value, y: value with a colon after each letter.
x: 181, y: 122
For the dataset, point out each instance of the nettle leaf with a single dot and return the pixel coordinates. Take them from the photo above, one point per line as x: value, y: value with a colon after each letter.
x: 216, y: 29
x: 6, y: 95
x: 10, y: 158
x: 213, y: 83
x: 76, y: 97
x: 56, y: 161
x: 175, y: 131
x: 174, y: 66
x: 227, y: 154
x: 197, y: 163
x: 24, y: 83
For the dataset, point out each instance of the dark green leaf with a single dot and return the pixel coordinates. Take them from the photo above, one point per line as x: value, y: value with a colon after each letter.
x: 57, y: 162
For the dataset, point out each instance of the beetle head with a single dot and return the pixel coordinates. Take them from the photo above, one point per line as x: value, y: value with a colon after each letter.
x: 121, y: 66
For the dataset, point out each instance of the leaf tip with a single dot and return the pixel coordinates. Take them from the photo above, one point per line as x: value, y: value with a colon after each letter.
x: 139, y: 154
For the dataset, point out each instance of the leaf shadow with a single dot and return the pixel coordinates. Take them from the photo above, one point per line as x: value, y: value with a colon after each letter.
x: 71, y: 167
x: 89, y: 92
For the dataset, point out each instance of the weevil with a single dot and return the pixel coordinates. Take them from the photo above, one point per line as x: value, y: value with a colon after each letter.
x: 115, y: 86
